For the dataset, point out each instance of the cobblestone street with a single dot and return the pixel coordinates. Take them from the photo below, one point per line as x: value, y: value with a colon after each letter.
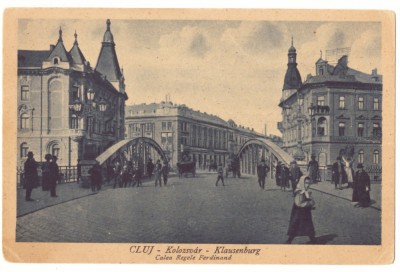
x: 193, y: 210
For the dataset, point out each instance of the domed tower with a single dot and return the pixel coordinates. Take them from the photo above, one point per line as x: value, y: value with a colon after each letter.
x: 292, y: 81
x: 107, y: 63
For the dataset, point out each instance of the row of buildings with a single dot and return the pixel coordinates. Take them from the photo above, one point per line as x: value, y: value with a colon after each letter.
x: 183, y: 131
x: 74, y: 111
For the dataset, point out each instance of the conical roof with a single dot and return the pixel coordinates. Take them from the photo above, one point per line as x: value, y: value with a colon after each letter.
x: 76, y: 54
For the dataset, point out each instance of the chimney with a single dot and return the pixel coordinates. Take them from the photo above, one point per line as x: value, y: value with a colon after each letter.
x: 52, y: 47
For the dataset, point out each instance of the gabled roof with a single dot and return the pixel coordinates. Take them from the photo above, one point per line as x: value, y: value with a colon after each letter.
x: 32, y: 58
x: 59, y: 50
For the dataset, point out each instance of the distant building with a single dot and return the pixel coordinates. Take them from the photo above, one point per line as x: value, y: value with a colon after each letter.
x: 330, y: 112
x: 181, y: 130
x: 54, y: 112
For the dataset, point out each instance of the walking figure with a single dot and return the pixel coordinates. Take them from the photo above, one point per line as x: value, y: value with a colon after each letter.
x: 55, y: 176
x: 284, y: 180
x: 220, y: 175
x: 278, y: 174
x: 158, y: 172
x: 362, y: 187
x: 313, y: 169
x: 31, y: 176
x: 125, y: 176
x: 46, y: 173
x: 337, y: 173
x: 150, y: 168
x: 301, y: 223
x: 117, y: 174
x: 294, y: 175
x: 95, y: 178
x: 165, y: 171
x: 262, y: 171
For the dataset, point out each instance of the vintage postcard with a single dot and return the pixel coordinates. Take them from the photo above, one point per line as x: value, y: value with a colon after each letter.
x: 198, y: 136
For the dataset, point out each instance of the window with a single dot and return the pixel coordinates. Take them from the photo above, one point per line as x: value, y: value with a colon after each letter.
x: 55, y: 150
x: 149, y: 127
x: 75, y: 94
x: 321, y: 70
x: 341, y: 102
x: 24, y: 121
x: 342, y: 127
x: 376, y: 129
x: 321, y: 100
x: 163, y: 125
x: 55, y: 61
x: 169, y: 126
x: 25, y: 92
x: 376, y: 103
x: 166, y: 140
x: 360, y: 131
x: 74, y: 122
x: 376, y: 157
x: 321, y: 128
x: 24, y: 150
x: 360, y: 103
x: 361, y: 156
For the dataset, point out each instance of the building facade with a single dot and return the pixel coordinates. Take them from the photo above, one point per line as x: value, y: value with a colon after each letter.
x: 66, y: 107
x: 338, y: 110
x: 180, y: 130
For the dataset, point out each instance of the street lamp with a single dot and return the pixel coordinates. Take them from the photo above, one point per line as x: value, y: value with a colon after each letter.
x: 299, y: 153
x: 102, y: 105
x: 90, y: 95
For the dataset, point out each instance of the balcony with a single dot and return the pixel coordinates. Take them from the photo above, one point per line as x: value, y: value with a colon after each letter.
x: 318, y: 110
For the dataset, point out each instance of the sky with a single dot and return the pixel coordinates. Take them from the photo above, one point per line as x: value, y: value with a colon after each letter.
x: 232, y: 69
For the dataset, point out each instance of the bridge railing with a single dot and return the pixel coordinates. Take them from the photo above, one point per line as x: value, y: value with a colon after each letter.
x: 68, y: 174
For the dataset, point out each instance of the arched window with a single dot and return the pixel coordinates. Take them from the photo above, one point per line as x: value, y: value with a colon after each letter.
x: 55, y: 61
x: 55, y: 149
x: 321, y: 127
x: 376, y: 157
x: 360, y: 102
x: 361, y: 156
x: 342, y: 127
x: 341, y: 102
x: 24, y: 120
x: 360, y: 129
x: 74, y: 121
x: 25, y: 92
x: 24, y: 150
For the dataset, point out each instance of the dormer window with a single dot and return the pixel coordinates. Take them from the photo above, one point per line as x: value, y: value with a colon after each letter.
x: 321, y: 70
x: 55, y: 61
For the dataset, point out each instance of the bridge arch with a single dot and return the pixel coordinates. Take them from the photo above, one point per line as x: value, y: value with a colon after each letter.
x: 253, y: 150
x: 135, y: 150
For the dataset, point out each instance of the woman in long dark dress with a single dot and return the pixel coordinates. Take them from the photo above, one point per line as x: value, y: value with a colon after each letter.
x: 301, y: 223
x: 361, y: 187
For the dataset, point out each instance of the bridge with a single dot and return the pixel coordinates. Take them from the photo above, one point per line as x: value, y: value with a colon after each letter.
x: 138, y: 150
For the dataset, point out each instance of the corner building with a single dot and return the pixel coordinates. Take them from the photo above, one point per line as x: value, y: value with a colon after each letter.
x: 50, y: 83
x: 338, y: 107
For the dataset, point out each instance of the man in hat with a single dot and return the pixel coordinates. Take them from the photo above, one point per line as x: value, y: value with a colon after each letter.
x: 337, y: 173
x: 294, y: 175
x: 31, y: 176
x: 313, y: 169
x: 55, y: 176
x: 278, y: 173
x: 262, y: 171
x: 362, y: 187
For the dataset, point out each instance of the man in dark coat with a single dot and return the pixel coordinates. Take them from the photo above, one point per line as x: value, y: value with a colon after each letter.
x: 294, y: 175
x: 46, y: 172
x: 150, y: 168
x: 55, y: 176
x: 95, y: 178
x: 262, y: 171
x: 313, y: 169
x: 337, y: 173
x: 165, y: 171
x: 278, y: 174
x: 31, y: 176
x: 361, y: 187
x: 284, y: 179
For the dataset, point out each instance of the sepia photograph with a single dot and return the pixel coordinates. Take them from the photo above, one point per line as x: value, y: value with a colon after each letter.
x: 188, y: 138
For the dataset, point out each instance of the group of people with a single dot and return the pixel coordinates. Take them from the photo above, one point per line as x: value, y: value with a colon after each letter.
x: 125, y: 175
x: 50, y: 175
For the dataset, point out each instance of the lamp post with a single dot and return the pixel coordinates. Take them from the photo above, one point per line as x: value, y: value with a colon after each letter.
x: 299, y: 153
x: 86, y: 110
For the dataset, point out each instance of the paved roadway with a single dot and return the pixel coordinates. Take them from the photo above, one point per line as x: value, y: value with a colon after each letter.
x: 193, y: 210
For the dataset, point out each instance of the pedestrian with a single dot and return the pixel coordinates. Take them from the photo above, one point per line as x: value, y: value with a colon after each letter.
x: 313, y: 169
x: 55, y: 176
x: 95, y: 178
x: 362, y: 187
x: 157, y: 173
x: 46, y: 173
x: 220, y: 172
x: 150, y: 168
x: 337, y: 173
x: 349, y: 172
x: 262, y: 171
x: 278, y: 173
x: 131, y: 180
x: 284, y: 180
x: 294, y: 175
x: 117, y: 174
x: 78, y: 171
x: 301, y: 223
x: 165, y: 171
x: 124, y: 176
x: 31, y: 178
